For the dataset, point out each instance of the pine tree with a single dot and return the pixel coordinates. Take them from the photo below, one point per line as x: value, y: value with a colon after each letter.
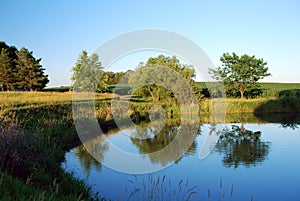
x: 30, y: 74
x: 6, y: 71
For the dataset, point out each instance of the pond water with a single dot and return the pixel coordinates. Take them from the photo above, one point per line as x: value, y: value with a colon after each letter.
x: 249, y: 162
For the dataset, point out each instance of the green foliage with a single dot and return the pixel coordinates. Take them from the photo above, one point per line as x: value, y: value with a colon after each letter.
x: 30, y: 74
x: 19, y: 70
x: 240, y: 74
x: 88, y: 74
x: 116, y: 78
x: 155, y: 71
x: 6, y: 72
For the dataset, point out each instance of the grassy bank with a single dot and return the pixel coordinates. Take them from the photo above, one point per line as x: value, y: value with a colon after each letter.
x: 263, y: 105
x: 30, y: 166
x: 36, y: 130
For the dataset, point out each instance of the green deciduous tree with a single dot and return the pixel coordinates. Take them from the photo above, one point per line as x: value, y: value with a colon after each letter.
x: 29, y: 73
x: 240, y: 74
x: 152, y: 70
x: 88, y: 73
x: 114, y: 78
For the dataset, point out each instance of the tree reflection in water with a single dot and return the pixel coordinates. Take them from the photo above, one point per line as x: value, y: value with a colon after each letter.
x: 87, y: 161
x: 149, y: 140
x: 182, y: 143
x: 242, y: 147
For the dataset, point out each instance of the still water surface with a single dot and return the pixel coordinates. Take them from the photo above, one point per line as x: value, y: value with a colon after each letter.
x: 263, y: 167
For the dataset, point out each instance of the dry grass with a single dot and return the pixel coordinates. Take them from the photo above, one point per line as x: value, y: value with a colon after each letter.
x: 21, y: 99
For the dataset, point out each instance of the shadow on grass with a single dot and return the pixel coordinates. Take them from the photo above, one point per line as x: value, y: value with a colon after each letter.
x: 289, y: 93
x: 284, y: 110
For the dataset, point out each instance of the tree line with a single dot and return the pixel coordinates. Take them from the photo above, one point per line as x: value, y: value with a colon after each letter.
x: 238, y: 74
x: 20, y: 70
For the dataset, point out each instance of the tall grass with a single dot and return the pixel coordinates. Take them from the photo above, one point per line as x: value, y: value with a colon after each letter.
x: 30, y: 170
x: 157, y: 189
x: 33, y: 144
x: 160, y: 188
x: 21, y: 99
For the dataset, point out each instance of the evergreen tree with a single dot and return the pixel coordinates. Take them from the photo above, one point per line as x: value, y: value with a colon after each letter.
x: 30, y: 74
x: 6, y: 70
x: 20, y: 70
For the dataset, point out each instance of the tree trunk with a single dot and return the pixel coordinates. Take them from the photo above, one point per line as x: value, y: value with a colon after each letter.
x: 243, y: 127
x: 242, y: 91
x: 149, y: 90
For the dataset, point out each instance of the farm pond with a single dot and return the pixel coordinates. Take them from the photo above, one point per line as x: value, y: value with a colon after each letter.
x: 245, y: 161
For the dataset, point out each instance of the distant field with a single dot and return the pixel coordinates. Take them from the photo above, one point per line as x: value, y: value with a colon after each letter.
x: 268, y: 86
x: 280, y: 86
x: 280, y: 89
x: 273, y: 89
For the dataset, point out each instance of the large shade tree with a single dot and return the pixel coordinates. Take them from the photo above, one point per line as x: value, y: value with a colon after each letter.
x: 240, y: 73
x: 151, y: 71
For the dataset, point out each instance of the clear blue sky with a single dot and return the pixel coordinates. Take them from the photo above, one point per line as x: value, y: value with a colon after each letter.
x: 57, y: 31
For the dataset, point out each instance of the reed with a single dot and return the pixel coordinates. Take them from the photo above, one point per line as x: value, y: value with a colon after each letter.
x: 158, y: 188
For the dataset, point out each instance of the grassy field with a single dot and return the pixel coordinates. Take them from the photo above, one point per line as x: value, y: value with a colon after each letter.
x: 274, y: 89
x: 10, y: 100
x: 279, y: 86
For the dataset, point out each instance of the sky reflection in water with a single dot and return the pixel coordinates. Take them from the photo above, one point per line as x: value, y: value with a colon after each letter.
x: 269, y: 172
